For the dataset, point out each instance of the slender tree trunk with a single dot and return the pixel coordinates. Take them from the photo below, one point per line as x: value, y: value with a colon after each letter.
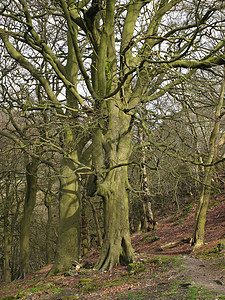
x: 6, y: 231
x: 146, y: 198
x: 7, y: 251
x: 95, y: 215
x: 48, y: 204
x: 68, y: 246
x: 85, y: 228
x: 200, y: 217
x: 29, y: 204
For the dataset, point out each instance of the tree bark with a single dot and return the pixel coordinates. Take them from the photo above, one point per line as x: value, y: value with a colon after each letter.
x: 7, y: 245
x: 113, y: 187
x: 95, y: 215
x: 68, y: 246
x: 117, y: 246
x: 48, y: 204
x: 85, y: 234
x: 200, y: 217
x: 29, y: 204
x: 149, y: 221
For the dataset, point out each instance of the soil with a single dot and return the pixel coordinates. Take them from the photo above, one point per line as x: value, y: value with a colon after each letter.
x: 172, y: 273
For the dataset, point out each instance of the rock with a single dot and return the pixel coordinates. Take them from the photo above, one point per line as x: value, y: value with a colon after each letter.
x: 218, y: 282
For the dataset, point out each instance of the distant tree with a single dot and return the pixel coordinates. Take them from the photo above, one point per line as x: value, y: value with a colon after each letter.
x: 11, y: 199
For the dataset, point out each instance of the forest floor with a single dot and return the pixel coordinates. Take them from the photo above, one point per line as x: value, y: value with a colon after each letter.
x: 162, y: 270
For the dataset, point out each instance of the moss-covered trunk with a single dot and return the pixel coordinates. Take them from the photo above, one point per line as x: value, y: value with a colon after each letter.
x: 214, y: 146
x: 117, y: 243
x: 113, y: 188
x: 68, y: 245
x: 200, y: 217
x: 29, y: 204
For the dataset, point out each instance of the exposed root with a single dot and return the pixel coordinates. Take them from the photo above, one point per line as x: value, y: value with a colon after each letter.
x: 198, y: 244
x: 113, y: 255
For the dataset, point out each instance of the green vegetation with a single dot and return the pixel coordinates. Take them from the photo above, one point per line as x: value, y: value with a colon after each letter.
x: 189, y: 292
x: 150, y: 239
x: 39, y: 289
x: 216, y: 251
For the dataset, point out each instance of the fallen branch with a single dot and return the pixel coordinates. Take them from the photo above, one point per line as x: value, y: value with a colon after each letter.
x: 175, y: 244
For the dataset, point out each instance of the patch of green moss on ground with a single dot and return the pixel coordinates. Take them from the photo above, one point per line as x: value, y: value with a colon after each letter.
x: 9, y: 297
x: 150, y: 239
x: 39, y: 289
x: 214, y: 252
x: 178, y: 289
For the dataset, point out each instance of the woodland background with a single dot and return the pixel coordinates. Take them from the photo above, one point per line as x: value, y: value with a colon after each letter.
x: 96, y: 94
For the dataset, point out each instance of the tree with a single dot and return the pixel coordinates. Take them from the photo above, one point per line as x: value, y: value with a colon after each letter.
x: 29, y: 204
x: 11, y: 197
x: 215, y: 143
x: 119, y: 55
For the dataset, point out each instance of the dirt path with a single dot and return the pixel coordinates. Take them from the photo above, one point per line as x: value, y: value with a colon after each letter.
x: 206, y: 272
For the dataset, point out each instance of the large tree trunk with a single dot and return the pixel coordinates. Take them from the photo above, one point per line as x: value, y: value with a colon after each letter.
x: 117, y: 246
x: 29, y: 204
x: 68, y: 246
x: 117, y: 243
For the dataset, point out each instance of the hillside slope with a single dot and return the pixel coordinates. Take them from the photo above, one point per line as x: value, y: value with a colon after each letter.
x: 165, y: 267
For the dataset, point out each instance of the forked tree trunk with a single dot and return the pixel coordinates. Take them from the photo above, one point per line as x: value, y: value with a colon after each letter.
x: 29, y: 204
x: 117, y: 246
x: 68, y: 245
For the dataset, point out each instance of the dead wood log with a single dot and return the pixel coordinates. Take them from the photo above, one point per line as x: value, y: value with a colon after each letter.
x: 175, y: 244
